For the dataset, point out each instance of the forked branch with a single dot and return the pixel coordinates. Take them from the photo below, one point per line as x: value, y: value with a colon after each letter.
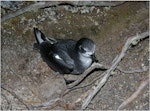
x: 130, y: 41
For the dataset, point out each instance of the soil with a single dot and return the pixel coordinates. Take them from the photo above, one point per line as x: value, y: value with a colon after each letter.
x: 24, y: 72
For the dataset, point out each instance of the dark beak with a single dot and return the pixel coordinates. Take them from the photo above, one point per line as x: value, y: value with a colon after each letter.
x: 94, y: 59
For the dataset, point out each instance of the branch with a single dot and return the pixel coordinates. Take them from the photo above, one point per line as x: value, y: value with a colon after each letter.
x: 134, y: 71
x: 28, y: 8
x: 53, y: 103
x: 74, y: 88
x: 42, y: 4
x: 136, y: 94
x: 84, y: 75
x: 128, y: 43
x: 50, y: 103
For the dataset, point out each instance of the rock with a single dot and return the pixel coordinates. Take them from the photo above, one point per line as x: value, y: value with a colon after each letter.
x: 11, y: 5
x: 52, y: 87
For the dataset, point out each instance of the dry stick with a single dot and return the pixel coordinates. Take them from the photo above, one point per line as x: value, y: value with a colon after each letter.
x: 16, y: 96
x: 21, y: 11
x: 54, y: 3
x: 46, y: 104
x: 136, y: 94
x: 28, y: 8
x: 93, y: 66
x: 129, y: 42
x: 134, y: 71
x: 53, y: 103
x: 74, y: 88
x: 118, y: 68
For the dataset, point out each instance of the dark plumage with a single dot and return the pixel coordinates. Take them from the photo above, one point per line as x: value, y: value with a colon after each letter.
x: 65, y: 56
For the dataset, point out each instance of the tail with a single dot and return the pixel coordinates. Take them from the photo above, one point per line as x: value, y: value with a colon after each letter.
x: 40, y: 37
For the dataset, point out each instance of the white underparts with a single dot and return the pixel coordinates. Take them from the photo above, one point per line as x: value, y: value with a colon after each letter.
x: 86, y: 61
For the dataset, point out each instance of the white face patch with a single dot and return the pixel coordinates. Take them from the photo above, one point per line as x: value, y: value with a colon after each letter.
x: 87, y: 54
x: 57, y: 57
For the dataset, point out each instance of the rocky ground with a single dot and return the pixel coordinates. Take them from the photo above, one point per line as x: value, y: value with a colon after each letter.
x: 25, y: 73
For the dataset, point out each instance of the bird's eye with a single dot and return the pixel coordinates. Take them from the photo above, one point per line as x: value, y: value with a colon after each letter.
x: 82, y: 49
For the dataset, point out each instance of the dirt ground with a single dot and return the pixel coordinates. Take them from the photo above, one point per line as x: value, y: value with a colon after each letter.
x: 24, y: 72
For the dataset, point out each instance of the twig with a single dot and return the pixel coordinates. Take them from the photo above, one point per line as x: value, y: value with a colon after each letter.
x: 134, y: 71
x: 128, y: 43
x: 28, y: 8
x: 93, y: 66
x: 16, y: 96
x: 42, y: 4
x: 45, y: 104
x: 53, y: 103
x: 74, y: 88
x: 136, y: 94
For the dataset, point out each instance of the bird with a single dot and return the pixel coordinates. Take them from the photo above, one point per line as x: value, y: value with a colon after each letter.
x: 65, y: 56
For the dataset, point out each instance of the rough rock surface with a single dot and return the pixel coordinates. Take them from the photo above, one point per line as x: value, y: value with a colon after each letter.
x: 25, y: 73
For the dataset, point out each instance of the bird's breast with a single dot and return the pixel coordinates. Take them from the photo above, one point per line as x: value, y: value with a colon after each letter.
x: 86, y: 62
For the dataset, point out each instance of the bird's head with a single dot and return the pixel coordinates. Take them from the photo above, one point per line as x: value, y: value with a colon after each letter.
x: 85, y: 47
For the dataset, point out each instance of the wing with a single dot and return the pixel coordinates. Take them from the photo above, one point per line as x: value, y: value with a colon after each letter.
x: 63, y: 60
x: 56, y: 58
